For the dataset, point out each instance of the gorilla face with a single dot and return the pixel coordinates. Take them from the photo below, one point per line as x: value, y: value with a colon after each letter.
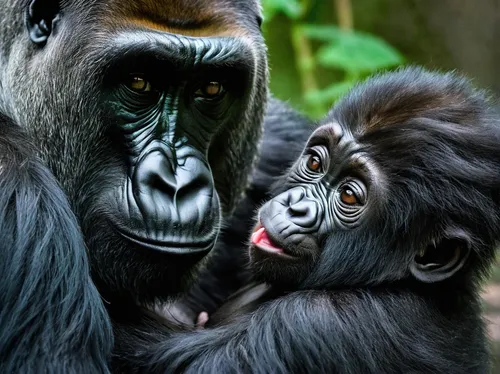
x: 165, y: 112
x: 328, y: 189
x: 149, y: 114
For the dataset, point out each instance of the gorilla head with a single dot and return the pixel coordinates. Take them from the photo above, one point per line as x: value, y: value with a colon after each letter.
x: 399, y: 184
x: 149, y: 114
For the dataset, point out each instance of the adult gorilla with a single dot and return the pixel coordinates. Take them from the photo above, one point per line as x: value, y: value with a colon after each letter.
x: 149, y: 114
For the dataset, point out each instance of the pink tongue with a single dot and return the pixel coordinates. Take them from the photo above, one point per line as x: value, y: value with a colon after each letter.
x: 261, y: 239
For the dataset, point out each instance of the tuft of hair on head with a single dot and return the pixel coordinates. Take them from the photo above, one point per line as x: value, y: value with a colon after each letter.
x: 393, y: 98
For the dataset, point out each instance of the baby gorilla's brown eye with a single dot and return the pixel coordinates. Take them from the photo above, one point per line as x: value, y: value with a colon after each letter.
x: 138, y: 83
x: 348, y: 196
x: 314, y: 163
x: 210, y: 90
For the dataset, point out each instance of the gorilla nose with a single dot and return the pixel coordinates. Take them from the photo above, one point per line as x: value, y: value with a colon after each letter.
x: 300, y: 209
x: 303, y: 213
x: 158, y: 176
x: 180, y: 192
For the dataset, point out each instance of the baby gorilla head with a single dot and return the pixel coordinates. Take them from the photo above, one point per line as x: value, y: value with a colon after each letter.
x: 400, y: 182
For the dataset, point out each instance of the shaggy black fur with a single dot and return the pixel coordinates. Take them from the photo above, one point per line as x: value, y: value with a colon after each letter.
x: 52, y: 318
x: 430, y: 144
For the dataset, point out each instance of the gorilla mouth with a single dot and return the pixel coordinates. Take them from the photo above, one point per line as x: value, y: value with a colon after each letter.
x: 175, y: 247
x: 263, y: 240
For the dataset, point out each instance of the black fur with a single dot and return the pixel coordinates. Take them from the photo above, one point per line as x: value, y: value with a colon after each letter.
x: 434, y: 141
x: 52, y: 319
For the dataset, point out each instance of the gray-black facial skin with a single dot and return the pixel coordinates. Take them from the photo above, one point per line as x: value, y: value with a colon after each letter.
x: 320, y: 196
x: 149, y: 114
x: 164, y: 122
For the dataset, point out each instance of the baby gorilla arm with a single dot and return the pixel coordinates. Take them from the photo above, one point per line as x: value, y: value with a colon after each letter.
x: 304, y: 332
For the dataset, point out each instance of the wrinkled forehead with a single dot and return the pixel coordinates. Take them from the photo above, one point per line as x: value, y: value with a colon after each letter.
x: 187, y: 17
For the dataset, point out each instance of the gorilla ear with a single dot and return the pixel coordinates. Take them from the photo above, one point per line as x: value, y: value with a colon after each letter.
x: 440, y: 260
x: 259, y: 21
x: 40, y: 18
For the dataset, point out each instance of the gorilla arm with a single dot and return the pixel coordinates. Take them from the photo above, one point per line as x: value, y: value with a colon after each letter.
x: 51, y: 316
x: 308, y: 331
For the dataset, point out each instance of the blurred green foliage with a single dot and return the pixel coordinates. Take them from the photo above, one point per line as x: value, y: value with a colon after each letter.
x: 328, y: 60
x: 291, y: 8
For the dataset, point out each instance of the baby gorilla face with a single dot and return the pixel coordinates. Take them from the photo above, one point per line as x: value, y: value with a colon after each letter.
x: 319, y: 197
x: 284, y: 243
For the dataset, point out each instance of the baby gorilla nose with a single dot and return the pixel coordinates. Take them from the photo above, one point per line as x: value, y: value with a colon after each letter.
x: 302, y: 210
x: 303, y: 213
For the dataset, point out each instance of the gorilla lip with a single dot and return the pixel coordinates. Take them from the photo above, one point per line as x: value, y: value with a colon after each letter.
x: 178, y: 248
x: 261, y: 239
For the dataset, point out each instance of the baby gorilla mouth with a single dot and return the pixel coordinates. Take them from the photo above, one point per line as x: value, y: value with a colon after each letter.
x: 261, y: 240
x: 281, y: 250
x: 275, y: 259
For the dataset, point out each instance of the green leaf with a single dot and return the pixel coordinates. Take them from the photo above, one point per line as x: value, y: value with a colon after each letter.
x: 325, y: 33
x: 291, y: 8
x: 329, y: 94
x: 358, y: 53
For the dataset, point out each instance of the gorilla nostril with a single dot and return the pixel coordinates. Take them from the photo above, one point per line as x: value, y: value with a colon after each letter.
x: 291, y: 197
x: 154, y: 173
x: 190, y: 191
x: 299, y: 209
x: 194, y: 201
x: 303, y: 213
x: 164, y: 183
x: 158, y: 183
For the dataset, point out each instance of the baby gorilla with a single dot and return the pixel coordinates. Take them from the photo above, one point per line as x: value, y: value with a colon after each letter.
x: 375, y: 244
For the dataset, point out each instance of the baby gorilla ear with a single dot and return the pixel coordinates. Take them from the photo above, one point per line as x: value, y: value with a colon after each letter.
x: 440, y: 260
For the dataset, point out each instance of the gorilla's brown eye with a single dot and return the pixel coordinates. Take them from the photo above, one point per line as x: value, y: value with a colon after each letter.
x: 348, y: 196
x: 210, y: 90
x: 314, y: 163
x: 138, y: 83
